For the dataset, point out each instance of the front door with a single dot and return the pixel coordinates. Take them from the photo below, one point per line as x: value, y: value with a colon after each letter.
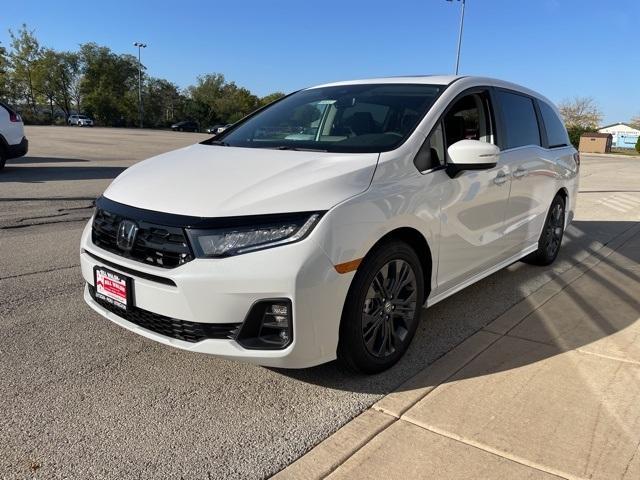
x: 474, y: 202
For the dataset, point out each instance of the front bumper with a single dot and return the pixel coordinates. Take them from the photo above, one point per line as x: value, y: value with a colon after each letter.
x: 223, y: 291
x: 19, y: 149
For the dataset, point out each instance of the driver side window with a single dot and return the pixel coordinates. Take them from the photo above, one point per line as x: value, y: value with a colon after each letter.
x: 469, y: 118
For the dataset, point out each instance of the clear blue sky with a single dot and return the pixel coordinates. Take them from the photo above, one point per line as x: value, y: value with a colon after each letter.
x: 561, y: 48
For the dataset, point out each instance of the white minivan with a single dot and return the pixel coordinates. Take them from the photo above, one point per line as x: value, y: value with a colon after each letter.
x: 318, y: 227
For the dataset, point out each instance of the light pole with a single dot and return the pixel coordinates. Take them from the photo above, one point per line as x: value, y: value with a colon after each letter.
x: 140, y: 111
x: 459, y: 35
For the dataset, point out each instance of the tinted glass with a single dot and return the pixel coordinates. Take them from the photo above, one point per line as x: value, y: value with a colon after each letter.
x: 468, y: 119
x: 519, y: 117
x: 7, y: 108
x: 556, y: 133
x: 349, y: 118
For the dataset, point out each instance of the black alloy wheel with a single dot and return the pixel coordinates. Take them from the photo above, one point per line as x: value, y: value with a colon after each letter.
x: 382, y: 309
x: 389, y: 308
x: 551, y: 236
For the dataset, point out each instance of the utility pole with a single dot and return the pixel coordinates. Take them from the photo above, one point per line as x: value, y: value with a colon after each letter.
x: 459, y: 35
x: 140, y: 110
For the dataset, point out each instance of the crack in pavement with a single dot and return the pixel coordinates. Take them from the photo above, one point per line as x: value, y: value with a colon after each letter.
x: 39, y: 271
x: 47, y: 199
x: 37, y: 224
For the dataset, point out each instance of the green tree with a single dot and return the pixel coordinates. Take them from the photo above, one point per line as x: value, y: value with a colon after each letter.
x: 108, y: 81
x: 67, y: 74
x: 212, y: 100
x: 203, y: 96
x: 162, y: 102
x: 25, y: 51
x: 4, y: 73
x: 54, y: 75
x: 42, y: 78
x: 272, y: 97
x: 96, y: 81
x: 638, y: 145
x: 575, y: 132
x: 235, y: 103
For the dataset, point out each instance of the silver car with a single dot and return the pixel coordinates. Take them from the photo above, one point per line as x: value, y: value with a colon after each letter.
x: 80, y: 121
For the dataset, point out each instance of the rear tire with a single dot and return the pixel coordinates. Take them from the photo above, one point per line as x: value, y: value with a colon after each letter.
x: 382, y: 309
x: 551, y: 236
x: 3, y: 157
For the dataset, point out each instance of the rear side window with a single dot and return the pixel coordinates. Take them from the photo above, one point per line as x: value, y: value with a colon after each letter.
x: 519, y: 119
x: 7, y: 108
x: 556, y: 133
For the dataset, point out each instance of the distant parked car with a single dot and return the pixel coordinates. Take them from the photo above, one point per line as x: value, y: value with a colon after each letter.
x: 185, y: 126
x: 13, y: 143
x: 80, y: 121
x: 215, y: 129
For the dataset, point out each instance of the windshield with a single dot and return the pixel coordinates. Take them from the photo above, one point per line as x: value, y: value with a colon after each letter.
x: 347, y: 118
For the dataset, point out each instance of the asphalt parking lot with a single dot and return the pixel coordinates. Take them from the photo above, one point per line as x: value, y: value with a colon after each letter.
x: 83, y: 398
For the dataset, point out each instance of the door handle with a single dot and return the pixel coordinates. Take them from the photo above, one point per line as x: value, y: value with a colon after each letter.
x: 500, y: 178
x: 519, y: 173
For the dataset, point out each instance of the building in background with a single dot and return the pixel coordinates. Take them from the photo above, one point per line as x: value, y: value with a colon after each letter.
x: 595, y: 142
x: 624, y: 136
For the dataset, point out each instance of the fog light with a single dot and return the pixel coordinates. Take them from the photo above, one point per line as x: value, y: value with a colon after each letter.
x: 280, y: 309
x: 268, y: 325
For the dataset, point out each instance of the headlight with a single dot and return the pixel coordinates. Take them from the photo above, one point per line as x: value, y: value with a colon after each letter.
x: 266, y: 232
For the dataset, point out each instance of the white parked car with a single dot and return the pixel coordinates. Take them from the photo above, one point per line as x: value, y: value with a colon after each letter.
x: 80, y: 121
x: 318, y: 227
x: 13, y: 143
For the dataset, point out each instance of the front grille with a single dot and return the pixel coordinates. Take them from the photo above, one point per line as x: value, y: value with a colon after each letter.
x: 158, y: 245
x: 171, y: 327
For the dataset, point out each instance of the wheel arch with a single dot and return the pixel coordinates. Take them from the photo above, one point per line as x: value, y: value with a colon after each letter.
x: 419, y: 244
x: 564, y: 194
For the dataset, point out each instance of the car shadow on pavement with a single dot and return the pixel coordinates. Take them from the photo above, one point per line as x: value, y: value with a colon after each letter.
x: 29, y: 160
x: 450, y: 322
x: 37, y: 174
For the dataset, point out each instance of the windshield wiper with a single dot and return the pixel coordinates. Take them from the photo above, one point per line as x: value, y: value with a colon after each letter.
x: 296, y: 149
x: 222, y: 143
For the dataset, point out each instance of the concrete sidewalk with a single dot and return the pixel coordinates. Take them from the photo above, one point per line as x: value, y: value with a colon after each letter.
x: 550, y: 389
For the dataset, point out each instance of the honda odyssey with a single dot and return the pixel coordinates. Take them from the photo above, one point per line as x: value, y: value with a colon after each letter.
x: 318, y: 227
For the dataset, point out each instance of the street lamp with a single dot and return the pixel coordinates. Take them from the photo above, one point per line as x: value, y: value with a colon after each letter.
x: 140, y: 46
x: 459, y: 34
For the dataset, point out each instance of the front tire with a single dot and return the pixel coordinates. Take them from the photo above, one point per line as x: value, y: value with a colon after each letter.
x: 551, y: 236
x: 382, y: 309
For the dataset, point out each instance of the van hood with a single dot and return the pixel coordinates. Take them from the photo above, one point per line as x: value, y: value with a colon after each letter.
x: 216, y: 181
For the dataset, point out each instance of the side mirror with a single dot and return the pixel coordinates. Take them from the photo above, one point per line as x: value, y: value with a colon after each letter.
x: 471, y: 155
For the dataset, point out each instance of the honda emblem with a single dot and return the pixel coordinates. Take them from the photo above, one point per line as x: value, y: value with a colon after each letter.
x: 127, y: 231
